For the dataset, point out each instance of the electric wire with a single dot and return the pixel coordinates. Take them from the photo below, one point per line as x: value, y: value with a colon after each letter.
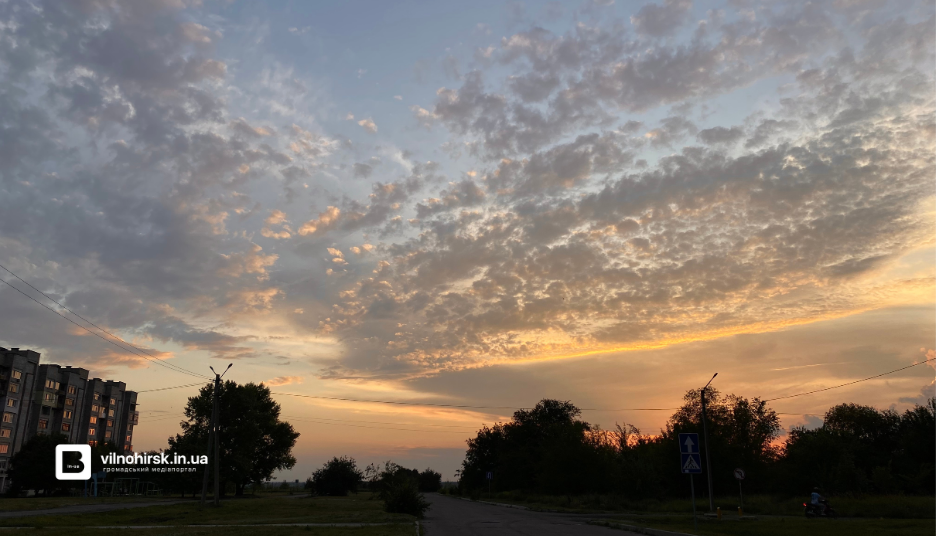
x: 852, y: 382
x: 168, y: 388
x: 299, y: 418
x: 173, y: 366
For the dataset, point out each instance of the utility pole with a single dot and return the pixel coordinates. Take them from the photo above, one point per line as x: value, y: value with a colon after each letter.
x: 214, y: 440
x: 708, y: 461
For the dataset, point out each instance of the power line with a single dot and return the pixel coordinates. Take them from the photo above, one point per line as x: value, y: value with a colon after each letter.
x: 178, y: 368
x: 853, y: 382
x: 168, y: 388
x: 299, y: 418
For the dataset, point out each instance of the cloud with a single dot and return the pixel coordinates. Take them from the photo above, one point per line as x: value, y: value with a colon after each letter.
x: 658, y: 20
x: 283, y: 380
x: 368, y: 125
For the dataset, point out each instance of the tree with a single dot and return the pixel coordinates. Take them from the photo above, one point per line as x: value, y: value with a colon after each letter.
x: 253, y: 441
x: 741, y: 433
x: 337, y: 477
x: 430, y: 480
x: 544, y: 448
x: 33, y: 466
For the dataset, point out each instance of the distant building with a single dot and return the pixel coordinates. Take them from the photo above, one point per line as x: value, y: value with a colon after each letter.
x: 47, y: 399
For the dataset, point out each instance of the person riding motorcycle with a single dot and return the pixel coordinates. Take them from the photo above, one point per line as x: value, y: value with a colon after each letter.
x: 818, y: 502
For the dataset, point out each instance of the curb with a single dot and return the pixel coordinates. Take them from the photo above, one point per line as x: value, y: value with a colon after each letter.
x: 638, y: 530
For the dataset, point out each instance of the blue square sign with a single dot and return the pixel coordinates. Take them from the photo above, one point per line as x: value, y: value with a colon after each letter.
x: 690, y: 463
x: 689, y: 443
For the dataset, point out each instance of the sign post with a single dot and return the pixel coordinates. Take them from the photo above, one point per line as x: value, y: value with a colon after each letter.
x: 490, y: 477
x: 739, y: 474
x: 690, y: 464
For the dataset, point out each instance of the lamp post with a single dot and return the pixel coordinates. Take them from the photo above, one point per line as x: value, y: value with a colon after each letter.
x: 214, y: 440
x: 708, y: 461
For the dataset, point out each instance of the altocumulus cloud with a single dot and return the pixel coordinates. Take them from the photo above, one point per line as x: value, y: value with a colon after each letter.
x: 152, y: 190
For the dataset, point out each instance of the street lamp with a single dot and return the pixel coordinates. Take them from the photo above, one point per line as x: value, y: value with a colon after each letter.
x: 213, y: 439
x: 708, y: 461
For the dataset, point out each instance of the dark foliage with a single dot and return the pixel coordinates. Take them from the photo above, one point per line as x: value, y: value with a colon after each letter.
x: 33, y: 468
x: 398, y: 487
x: 430, y: 481
x: 858, y: 449
x: 337, y: 477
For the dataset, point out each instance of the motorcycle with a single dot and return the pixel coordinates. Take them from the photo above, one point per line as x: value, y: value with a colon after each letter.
x: 817, y: 510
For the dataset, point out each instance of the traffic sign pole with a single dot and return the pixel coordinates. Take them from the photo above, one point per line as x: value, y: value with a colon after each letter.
x: 695, y: 520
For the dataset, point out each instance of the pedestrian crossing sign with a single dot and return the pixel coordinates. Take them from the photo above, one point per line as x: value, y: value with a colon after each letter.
x: 691, y: 464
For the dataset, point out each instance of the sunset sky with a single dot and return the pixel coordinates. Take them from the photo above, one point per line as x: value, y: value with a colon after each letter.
x: 473, y: 203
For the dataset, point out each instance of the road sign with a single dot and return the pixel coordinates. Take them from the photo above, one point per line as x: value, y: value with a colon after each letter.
x: 689, y: 443
x: 690, y: 463
x: 490, y: 475
x: 739, y: 474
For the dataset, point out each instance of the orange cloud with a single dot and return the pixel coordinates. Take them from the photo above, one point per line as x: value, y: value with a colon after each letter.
x: 283, y: 380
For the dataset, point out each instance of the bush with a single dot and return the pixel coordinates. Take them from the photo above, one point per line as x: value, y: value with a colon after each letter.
x: 398, y: 487
x: 403, y: 497
x: 337, y: 477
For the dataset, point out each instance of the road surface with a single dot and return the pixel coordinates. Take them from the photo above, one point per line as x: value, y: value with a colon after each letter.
x: 456, y: 517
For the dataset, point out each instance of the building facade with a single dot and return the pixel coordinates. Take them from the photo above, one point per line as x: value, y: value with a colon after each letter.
x: 52, y: 399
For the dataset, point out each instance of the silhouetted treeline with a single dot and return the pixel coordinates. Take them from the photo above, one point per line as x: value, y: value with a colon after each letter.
x: 858, y: 449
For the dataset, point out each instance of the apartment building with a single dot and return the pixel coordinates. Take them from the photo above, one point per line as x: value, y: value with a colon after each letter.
x: 52, y: 399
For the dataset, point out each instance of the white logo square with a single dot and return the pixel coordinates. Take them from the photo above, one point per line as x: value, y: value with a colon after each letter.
x: 85, y: 461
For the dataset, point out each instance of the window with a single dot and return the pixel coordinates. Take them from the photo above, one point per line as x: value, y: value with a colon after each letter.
x: 7, y: 417
x: 49, y: 397
x: 69, y: 401
x: 72, y: 389
x: 110, y: 422
x: 46, y: 410
x: 129, y: 427
x: 95, y: 408
x: 110, y: 413
x: 128, y: 439
x: 66, y: 426
x: 11, y: 403
x: 3, y: 465
x: 92, y: 432
x: 6, y: 432
x: 4, y: 448
x: 14, y: 387
x: 50, y: 384
x: 107, y: 434
x: 97, y: 396
x: 92, y: 443
x: 93, y: 420
x: 113, y: 401
x: 17, y: 374
x: 43, y: 424
x: 67, y: 415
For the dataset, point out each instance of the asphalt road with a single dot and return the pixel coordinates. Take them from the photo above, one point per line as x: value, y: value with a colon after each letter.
x: 456, y: 517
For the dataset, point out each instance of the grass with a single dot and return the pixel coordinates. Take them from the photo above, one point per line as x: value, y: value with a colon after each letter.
x: 405, y: 529
x: 43, y: 503
x: 781, y: 526
x: 869, y: 506
x: 353, y: 509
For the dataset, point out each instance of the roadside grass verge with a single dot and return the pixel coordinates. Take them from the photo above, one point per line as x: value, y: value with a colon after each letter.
x: 868, y: 506
x: 779, y: 526
x: 352, y: 509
